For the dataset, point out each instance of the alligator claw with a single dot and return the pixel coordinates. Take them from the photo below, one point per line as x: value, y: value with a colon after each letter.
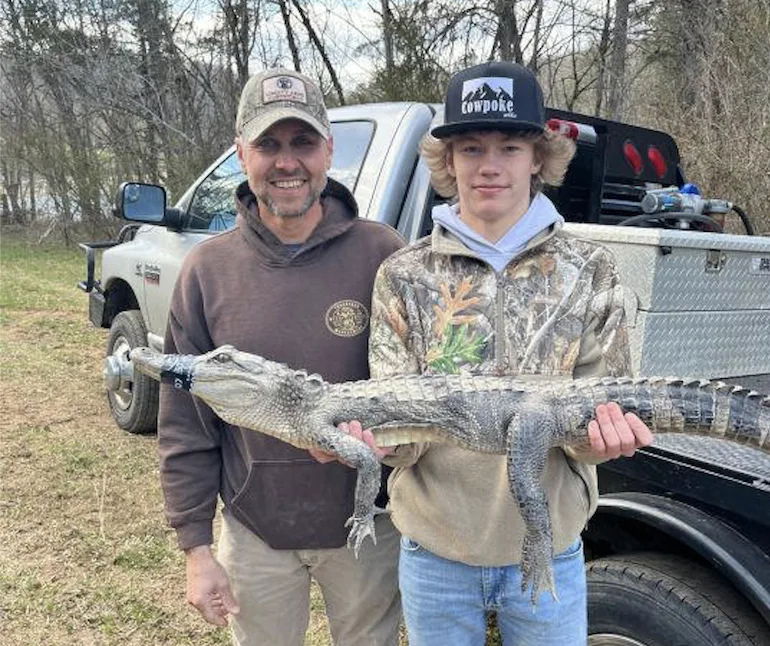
x: 536, y: 567
x: 360, y: 529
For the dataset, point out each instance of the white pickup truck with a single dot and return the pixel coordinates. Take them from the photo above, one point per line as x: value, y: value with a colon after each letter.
x: 679, y: 549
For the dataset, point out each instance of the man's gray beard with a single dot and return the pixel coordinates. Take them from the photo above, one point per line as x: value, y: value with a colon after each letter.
x: 304, y: 207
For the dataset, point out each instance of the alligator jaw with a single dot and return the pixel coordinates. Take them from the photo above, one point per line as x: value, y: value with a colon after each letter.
x: 175, y: 369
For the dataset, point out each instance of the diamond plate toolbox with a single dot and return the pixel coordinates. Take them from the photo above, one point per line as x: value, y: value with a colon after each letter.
x: 703, y: 299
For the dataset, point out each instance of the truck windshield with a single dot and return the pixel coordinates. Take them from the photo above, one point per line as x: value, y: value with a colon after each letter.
x: 212, y: 207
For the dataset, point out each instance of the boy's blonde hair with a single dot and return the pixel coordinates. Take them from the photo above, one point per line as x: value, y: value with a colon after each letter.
x: 553, y: 151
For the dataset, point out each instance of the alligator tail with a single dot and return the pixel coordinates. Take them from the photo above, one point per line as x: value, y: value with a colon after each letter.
x: 671, y: 405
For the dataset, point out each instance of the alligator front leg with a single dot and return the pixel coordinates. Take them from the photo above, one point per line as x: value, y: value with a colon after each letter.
x: 528, y: 443
x: 357, y: 454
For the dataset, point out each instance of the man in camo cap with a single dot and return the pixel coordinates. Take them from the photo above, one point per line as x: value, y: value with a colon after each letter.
x: 275, y: 95
x: 273, y: 286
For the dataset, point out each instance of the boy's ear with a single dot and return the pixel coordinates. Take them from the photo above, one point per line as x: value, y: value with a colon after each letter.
x: 450, y: 165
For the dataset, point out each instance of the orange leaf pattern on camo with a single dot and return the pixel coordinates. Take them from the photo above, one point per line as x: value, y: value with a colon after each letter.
x: 556, y: 306
x: 570, y: 355
x: 449, y: 314
x: 396, y: 317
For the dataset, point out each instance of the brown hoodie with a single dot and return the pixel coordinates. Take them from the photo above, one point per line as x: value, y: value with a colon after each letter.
x: 309, y: 310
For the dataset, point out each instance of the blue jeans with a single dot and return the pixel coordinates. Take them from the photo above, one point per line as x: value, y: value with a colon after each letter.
x: 446, y: 602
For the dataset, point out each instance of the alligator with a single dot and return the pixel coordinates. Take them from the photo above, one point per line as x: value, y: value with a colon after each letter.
x: 500, y: 415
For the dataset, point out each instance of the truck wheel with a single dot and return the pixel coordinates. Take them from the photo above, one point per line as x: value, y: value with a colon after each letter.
x: 653, y: 599
x: 133, y: 398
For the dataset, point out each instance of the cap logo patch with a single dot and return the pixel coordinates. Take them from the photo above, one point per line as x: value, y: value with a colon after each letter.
x: 283, y: 88
x: 488, y: 94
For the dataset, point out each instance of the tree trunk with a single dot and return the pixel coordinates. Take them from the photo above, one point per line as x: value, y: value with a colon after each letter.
x: 321, y: 49
x: 507, y: 31
x: 285, y: 14
x: 534, y: 60
x: 5, y: 211
x: 601, y: 59
x: 239, y: 36
x: 32, y: 195
x: 6, y: 214
x: 618, y: 60
x: 695, y: 27
x: 387, y: 36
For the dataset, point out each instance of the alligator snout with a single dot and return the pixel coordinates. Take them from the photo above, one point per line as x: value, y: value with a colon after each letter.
x: 174, y: 369
x: 148, y: 362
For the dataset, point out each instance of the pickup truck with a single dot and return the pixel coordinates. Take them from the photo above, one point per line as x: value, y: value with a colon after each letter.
x: 679, y: 549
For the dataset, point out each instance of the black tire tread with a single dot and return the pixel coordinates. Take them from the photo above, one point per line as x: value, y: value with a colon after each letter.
x: 142, y: 416
x: 696, y: 591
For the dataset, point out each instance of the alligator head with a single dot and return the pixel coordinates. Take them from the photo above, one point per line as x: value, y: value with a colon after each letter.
x: 235, y: 384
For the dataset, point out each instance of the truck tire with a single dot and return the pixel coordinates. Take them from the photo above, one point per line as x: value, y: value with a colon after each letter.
x: 650, y: 599
x: 134, y: 403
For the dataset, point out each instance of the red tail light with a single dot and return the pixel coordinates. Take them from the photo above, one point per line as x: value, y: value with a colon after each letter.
x: 633, y: 157
x: 657, y: 160
x: 578, y: 132
x: 566, y: 128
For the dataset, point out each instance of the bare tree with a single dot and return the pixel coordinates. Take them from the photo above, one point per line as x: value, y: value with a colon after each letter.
x: 617, y: 70
x: 321, y: 48
x: 508, y: 36
x: 240, y: 22
x: 141, y: 89
x: 387, y: 35
x: 286, y: 16
x: 536, y: 37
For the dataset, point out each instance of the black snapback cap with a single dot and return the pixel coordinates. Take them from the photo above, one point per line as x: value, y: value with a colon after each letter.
x: 492, y: 96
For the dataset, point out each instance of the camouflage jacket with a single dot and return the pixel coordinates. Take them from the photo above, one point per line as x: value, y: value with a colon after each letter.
x: 557, y: 310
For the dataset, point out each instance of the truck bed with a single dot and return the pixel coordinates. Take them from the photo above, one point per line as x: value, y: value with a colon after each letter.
x: 723, y: 455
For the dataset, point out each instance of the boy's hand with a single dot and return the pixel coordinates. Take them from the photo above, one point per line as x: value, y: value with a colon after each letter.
x: 613, y: 433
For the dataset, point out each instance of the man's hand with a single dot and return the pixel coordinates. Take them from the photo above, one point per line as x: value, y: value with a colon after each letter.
x: 613, y: 433
x: 208, y: 588
x: 353, y: 427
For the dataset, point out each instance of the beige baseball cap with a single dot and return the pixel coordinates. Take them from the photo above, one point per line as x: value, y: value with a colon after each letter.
x: 277, y: 94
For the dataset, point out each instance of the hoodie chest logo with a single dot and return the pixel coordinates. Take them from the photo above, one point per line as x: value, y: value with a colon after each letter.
x: 347, y: 318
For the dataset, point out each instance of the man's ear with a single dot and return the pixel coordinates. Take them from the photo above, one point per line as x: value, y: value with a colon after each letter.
x: 239, y: 149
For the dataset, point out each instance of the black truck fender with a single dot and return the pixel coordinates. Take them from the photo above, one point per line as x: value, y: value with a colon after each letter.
x: 728, y: 552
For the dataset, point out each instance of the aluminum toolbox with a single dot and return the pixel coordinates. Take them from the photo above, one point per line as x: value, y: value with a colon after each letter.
x: 703, y: 299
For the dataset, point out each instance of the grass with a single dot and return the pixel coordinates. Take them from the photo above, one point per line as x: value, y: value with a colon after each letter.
x: 85, y: 553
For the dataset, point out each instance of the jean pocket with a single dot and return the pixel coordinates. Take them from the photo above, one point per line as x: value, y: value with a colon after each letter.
x: 576, y: 549
x: 409, y: 545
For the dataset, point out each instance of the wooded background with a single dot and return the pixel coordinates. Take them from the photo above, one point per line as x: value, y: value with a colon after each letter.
x: 94, y: 92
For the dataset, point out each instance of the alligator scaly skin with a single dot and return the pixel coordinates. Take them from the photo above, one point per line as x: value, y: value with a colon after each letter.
x: 519, y: 418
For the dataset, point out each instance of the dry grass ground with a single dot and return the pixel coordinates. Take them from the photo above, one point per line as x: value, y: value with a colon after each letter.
x: 85, y: 555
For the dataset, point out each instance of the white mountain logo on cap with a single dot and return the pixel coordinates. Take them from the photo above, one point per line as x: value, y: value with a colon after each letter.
x: 488, y: 94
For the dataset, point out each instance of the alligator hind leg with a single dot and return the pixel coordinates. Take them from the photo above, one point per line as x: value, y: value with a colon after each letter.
x: 358, y: 455
x: 529, y: 435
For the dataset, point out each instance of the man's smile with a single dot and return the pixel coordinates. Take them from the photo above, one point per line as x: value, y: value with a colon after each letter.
x: 291, y: 183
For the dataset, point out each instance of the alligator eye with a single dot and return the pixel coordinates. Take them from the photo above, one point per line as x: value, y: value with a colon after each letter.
x: 223, y: 357
x: 314, y: 383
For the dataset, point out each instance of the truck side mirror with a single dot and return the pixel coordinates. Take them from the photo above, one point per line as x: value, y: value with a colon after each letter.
x: 141, y: 202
